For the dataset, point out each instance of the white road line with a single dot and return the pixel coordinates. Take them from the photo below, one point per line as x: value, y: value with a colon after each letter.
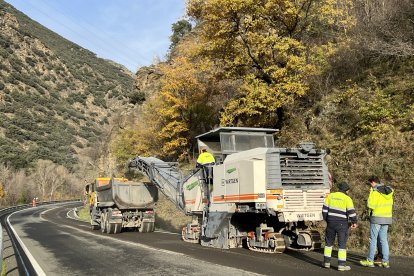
x: 114, y: 239
x: 35, y: 264
x: 156, y: 249
x: 45, y: 211
x: 68, y: 216
x: 77, y: 219
x: 121, y: 241
x: 157, y: 231
x: 166, y: 232
x: 41, y: 272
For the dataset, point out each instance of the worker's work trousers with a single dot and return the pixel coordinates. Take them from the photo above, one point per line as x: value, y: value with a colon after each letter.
x: 378, y: 233
x: 208, y: 173
x: 332, y: 230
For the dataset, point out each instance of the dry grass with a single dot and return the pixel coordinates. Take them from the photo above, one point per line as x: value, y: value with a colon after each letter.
x: 168, y: 217
x: 353, y: 158
x: 83, y: 213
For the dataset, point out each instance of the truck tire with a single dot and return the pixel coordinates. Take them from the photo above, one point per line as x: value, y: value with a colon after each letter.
x: 103, y: 222
x: 147, y: 227
x: 151, y: 227
x: 118, y: 228
x: 95, y: 227
x: 141, y: 229
x: 110, y: 227
x: 114, y: 228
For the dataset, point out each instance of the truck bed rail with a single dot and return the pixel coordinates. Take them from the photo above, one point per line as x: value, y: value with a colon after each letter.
x: 165, y: 175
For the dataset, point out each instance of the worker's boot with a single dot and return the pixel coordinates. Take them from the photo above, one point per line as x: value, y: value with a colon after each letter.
x: 367, y: 263
x: 344, y: 267
x: 326, y: 265
x: 385, y: 264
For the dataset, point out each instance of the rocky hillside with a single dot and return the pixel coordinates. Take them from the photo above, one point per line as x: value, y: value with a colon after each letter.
x: 57, y: 99
x: 147, y: 80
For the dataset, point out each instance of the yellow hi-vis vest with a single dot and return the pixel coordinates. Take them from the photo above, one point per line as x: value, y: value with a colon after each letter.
x: 338, y: 207
x: 205, y: 158
x: 381, y: 206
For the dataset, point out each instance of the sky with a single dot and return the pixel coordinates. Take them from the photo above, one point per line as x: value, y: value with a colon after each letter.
x: 133, y: 33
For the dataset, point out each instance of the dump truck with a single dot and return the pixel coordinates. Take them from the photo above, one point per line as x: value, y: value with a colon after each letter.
x: 116, y: 204
x: 256, y: 195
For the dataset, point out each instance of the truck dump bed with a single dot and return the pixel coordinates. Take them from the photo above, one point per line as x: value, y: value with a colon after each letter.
x: 125, y: 194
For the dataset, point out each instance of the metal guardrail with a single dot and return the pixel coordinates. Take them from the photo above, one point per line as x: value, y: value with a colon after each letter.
x: 9, y: 210
x: 3, y: 212
x: 1, y: 246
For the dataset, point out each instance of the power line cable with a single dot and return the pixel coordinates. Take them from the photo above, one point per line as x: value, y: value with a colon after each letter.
x: 93, y: 27
x: 126, y: 60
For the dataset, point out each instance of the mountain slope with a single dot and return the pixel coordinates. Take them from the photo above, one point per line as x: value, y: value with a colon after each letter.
x: 56, y: 98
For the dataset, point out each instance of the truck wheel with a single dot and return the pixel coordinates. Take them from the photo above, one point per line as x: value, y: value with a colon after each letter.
x: 103, y: 222
x: 141, y: 229
x: 118, y: 228
x: 151, y: 227
x: 107, y: 226
x: 110, y: 227
x: 95, y: 227
x: 146, y: 227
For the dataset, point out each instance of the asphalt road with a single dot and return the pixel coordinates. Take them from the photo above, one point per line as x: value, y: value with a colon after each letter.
x: 62, y: 245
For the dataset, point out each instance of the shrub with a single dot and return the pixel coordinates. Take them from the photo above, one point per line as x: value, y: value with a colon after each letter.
x: 38, y: 52
x: 136, y: 97
x: 30, y: 61
x: 79, y: 144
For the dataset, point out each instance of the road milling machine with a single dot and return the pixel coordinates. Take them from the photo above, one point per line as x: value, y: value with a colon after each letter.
x: 255, y: 194
x: 117, y: 203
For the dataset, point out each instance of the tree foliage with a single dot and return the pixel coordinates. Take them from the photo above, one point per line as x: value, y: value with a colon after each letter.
x: 184, y: 106
x: 48, y: 178
x: 179, y: 30
x: 270, y: 45
x: 46, y: 181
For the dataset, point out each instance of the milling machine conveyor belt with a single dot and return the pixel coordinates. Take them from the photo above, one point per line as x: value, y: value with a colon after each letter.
x: 165, y: 175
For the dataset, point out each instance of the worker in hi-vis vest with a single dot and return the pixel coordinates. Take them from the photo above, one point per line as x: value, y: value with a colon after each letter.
x: 337, y: 209
x: 380, y: 203
x: 205, y: 160
x: 205, y: 157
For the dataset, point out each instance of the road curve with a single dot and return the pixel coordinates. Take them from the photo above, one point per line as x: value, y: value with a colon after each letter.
x: 65, y: 246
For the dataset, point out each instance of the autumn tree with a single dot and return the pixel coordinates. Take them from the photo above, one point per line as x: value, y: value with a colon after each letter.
x: 273, y: 46
x: 47, y: 181
x: 2, y: 192
x: 185, y: 107
x: 48, y: 178
x: 179, y: 30
x: 139, y: 139
x: 5, y: 173
x: 17, y: 186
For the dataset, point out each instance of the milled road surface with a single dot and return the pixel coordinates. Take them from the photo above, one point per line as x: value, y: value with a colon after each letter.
x: 64, y: 246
